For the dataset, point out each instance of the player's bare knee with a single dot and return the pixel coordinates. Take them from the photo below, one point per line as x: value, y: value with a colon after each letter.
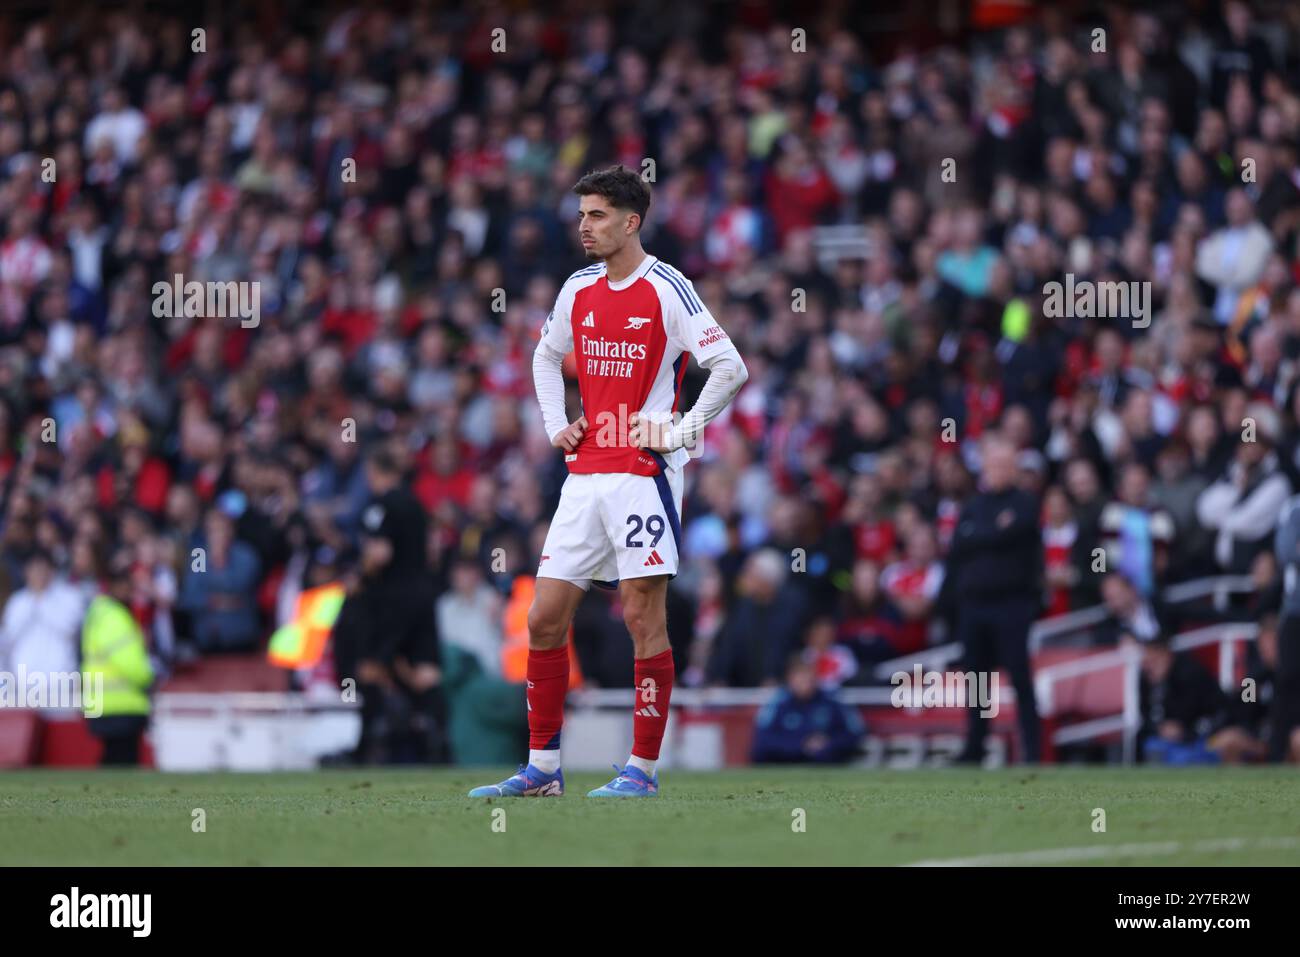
x: 546, y: 629
x: 642, y: 619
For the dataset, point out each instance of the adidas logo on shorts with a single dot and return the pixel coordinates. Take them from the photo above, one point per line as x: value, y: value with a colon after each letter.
x: 654, y: 559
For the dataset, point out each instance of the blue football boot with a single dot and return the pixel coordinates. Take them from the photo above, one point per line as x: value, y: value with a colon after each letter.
x: 526, y: 782
x: 630, y: 783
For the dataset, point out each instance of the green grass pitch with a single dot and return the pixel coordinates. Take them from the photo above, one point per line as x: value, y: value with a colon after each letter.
x: 851, y: 816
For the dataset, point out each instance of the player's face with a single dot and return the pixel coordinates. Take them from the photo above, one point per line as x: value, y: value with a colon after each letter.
x: 602, y: 228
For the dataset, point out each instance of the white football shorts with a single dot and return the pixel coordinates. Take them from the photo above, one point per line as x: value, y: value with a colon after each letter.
x: 614, y: 525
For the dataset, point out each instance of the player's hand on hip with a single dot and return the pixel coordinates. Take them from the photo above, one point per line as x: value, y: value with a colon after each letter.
x: 646, y: 434
x: 571, y: 435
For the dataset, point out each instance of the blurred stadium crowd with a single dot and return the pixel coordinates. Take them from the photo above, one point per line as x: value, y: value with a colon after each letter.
x: 889, y: 305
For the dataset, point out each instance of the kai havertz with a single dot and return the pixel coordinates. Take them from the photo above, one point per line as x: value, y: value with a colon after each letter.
x: 950, y: 689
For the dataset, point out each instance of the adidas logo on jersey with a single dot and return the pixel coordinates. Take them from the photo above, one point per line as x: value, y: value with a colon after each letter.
x: 590, y: 320
x: 636, y: 322
x: 654, y: 559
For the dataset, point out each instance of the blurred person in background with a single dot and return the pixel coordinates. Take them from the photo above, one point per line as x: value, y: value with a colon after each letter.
x: 1129, y: 612
x: 870, y: 625
x: 40, y: 623
x: 1248, y: 717
x: 833, y: 662
x: 1176, y: 489
x: 1136, y: 533
x: 1233, y: 258
x: 1181, y: 705
x: 1243, y: 505
x: 804, y: 724
x: 219, y: 590
x: 1059, y: 534
x: 1087, y: 500
x: 913, y: 584
x: 114, y: 651
x: 387, y: 628
x: 470, y: 615
x: 762, y: 628
x: 995, y: 565
x: 154, y: 592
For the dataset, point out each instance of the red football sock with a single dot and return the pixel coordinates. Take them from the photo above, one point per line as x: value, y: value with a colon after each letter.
x: 654, y: 686
x: 548, y: 683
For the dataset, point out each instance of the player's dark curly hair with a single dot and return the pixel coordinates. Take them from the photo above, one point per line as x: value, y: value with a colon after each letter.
x: 622, y: 187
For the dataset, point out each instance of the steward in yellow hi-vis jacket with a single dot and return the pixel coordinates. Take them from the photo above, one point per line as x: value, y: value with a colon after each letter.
x: 114, y: 652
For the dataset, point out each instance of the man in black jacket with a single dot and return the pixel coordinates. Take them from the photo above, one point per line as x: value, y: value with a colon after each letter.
x: 386, y: 628
x: 994, y: 565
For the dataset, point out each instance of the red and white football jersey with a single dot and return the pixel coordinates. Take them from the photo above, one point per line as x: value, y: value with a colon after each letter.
x: 630, y: 340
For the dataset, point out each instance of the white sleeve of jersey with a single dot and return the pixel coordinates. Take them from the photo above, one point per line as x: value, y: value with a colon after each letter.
x: 727, y: 373
x: 688, y: 322
x: 548, y: 379
x: 557, y: 330
x: 692, y: 328
x: 556, y: 342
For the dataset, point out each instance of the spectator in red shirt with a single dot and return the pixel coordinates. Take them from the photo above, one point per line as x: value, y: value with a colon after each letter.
x: 799, y: 192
